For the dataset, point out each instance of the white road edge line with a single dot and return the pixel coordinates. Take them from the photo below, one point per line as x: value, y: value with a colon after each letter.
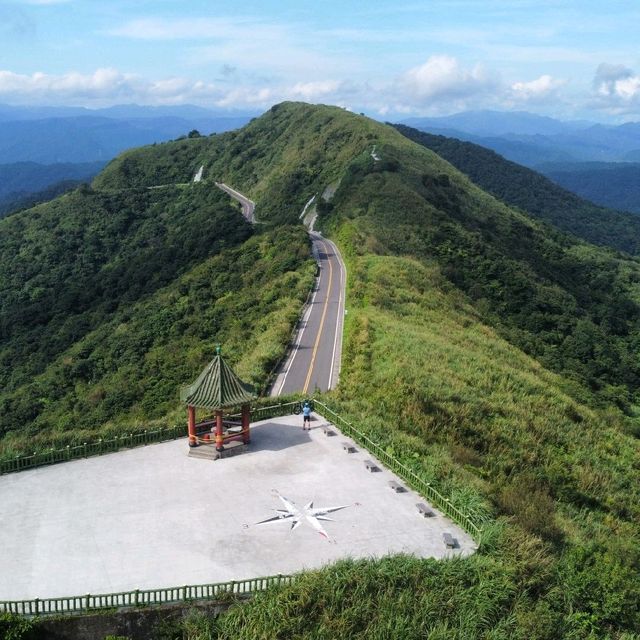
x: 339, y: 320
x: 305, y: 319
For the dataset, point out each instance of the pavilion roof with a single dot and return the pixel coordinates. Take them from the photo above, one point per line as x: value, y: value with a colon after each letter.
x: 217, y: 387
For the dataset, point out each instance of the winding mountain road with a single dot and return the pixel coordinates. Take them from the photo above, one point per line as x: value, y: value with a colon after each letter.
x: 313, y: 361
x: 248, y: 206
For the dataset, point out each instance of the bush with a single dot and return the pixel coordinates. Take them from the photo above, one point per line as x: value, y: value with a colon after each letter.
x: 16, y: 627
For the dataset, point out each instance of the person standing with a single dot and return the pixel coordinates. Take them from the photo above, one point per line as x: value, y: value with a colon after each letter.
x: 306, y: 416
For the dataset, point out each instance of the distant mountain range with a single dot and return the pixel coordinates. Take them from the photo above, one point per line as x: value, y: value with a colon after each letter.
x: 46, y: 150
x: 67, y: 134
x: 534, y: 140
x: 122, y: 111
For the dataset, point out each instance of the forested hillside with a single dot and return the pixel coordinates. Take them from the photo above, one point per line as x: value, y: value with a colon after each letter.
x: 492, y: 353
x: 534, y: 193
x: 112, y: 300
x: 612, y: 184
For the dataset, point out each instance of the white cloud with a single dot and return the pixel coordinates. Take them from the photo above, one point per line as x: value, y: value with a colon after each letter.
x: 616, y: 89
x: 311, y: 91
x: 539, y: 90
x: 440, y: 85
x: 103, y: 86
x: 110, y: 86
x: 442, y: 79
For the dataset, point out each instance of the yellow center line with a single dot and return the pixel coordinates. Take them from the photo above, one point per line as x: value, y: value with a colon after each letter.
x: 324, y: 313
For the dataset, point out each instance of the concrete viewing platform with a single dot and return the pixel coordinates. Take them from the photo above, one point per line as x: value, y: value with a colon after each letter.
x: 153, y: 517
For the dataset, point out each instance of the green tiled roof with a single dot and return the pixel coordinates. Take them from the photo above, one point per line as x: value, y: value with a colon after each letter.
x: 217, y: 387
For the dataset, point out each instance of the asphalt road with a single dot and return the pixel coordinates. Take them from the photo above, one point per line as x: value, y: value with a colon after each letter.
x: 248, y: 206
x: 313, y: 362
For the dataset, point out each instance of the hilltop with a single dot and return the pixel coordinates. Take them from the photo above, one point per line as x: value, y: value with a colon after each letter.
x: 495, y: 354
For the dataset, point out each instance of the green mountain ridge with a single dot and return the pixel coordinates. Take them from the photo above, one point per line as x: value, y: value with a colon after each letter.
x: 537, y: 195
x: 491, y: 353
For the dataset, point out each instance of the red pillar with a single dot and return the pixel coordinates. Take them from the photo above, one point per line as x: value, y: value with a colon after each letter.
x: 246, y: 417
x: 191, y: 426
x: 219, y: 441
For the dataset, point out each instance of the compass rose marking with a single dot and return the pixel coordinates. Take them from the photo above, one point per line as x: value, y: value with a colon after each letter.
x: 296, y: 515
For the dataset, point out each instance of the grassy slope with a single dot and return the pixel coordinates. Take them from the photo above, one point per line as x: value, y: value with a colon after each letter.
x: 530, y: 191
x: 569, y: 304
x: 495, y: 431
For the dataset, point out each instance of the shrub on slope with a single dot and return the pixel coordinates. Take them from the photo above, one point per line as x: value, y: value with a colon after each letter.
x: 68, y: 265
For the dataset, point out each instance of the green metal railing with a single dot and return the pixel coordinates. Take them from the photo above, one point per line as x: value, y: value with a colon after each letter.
x: 470, y: 522
x: 99, y: 447
x: 141, y: 597
x: 125, y: 441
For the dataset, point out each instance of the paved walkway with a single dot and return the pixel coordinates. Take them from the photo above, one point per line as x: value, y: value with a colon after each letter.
x: 153, y: 517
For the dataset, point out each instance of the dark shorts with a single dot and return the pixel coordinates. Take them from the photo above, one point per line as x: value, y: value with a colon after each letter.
x: 306, y: 418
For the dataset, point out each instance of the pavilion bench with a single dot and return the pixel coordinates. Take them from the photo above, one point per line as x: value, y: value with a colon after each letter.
x: 424, y: 510
x: 449, y: 541
x: 371, y: 466
x: 398, y: 488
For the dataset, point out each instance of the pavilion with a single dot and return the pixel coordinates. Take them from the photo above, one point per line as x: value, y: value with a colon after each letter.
x: 218, y: 390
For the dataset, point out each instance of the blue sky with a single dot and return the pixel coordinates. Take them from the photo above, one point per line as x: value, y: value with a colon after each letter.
x: 561, y: 58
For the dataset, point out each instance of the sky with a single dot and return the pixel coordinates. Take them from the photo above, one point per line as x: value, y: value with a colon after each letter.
x: 567, y: 59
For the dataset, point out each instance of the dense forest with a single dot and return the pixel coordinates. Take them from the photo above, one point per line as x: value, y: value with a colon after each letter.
x: 612, y: 184
x: 534, y: 193
x: 505, y: 348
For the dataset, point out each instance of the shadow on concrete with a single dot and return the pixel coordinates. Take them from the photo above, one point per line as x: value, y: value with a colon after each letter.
x: 276, y: 436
